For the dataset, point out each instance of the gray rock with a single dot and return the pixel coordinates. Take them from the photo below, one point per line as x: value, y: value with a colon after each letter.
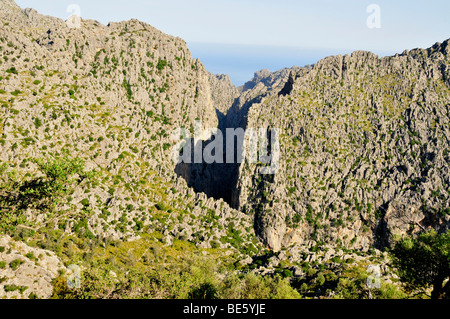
x: 29, y: 269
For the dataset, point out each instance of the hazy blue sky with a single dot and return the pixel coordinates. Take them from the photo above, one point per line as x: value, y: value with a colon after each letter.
x: 239, y: 37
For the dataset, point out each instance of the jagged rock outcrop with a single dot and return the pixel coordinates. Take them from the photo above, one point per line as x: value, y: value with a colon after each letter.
x: 27, y: 272
x: 112, y: 96
x: 364, y: 150
x: 223, y: 92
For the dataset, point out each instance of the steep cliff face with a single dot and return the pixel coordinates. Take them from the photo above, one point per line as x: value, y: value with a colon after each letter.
x: 364, y: 150
x: 219, y: 180
x: 27, y: 271
x: 223, y: 92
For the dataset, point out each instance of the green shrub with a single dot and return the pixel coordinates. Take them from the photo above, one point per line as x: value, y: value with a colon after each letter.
x: 9, y: 288
x: 37, y: 123
x: 423, y: 262
x: 162, y: 207
x: 161, y: 64
x: 12, y: 71
x: 41, y: 192
x: 32, y: 295
x: 30, y: 256
x: 251, y: 286
x: 15, y: 264
x: 204, y: 291
x: 127, y: 87
x: 85, y: 202
x: 214, y: 244
x: 287, y: 273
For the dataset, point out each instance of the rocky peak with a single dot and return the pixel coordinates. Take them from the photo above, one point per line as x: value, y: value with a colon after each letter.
x: 8, y: 3
x: 8, y: 7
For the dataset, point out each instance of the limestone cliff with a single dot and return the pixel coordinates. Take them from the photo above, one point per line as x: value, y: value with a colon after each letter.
x: 364, y: 150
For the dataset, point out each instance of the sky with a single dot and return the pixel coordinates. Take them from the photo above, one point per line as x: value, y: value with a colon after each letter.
x: 239, y: 37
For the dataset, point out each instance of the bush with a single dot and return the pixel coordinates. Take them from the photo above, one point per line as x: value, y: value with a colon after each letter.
x: 12, y: 71
x: 162, y: 207
x: 9, y: 288
x: 195, y: 278
x: 204, y: 291
x: 42, y: 192
x: 127, y: 87
x: 32, y: 295
x: 161, y: 64
x: 424, y: 262
x: 214, y: 244
x: 287, y: 273
x: 190, y: 277
x: 15, y: 264
x: 85, y: 202
x: 37, y: 123
x: 30, y: 256
x: 251, y: 286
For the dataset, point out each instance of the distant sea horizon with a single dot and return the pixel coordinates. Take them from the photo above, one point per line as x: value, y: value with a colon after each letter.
x: 241, y: 61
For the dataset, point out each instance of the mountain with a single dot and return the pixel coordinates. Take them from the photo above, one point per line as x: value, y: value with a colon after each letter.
x: 87, y: 170
x: 364, y: 150
x: 111, y: 96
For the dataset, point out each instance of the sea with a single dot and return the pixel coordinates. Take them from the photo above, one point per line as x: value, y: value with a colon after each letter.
x: 241, y: 61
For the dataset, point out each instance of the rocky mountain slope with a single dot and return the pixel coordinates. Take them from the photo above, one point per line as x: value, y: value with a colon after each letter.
x: 86, y: 122
x: 364, y: 150
x: 110, y: 95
